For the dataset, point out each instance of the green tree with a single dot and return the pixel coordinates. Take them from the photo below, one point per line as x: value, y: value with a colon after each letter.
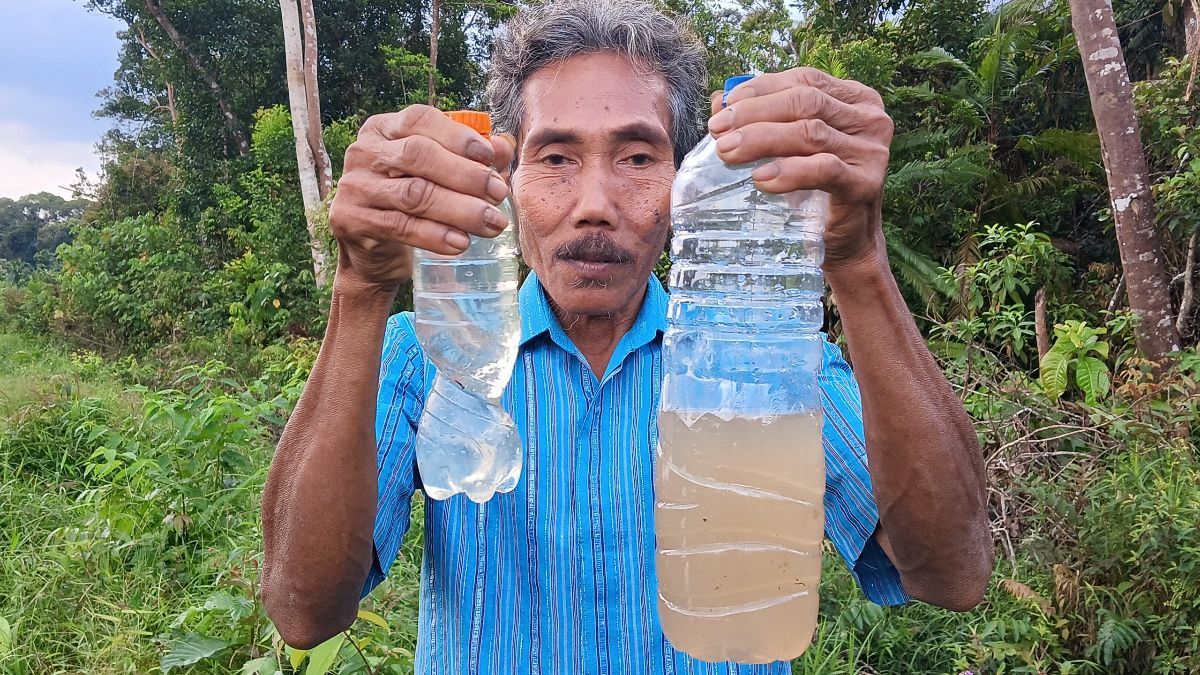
x: 36, y: 224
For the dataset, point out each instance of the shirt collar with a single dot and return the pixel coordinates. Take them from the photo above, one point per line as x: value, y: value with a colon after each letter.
x: 537, y: 318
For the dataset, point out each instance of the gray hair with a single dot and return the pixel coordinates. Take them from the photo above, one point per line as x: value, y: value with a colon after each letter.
x: 556, y: 31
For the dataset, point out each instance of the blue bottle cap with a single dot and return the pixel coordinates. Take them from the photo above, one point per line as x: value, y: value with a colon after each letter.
x: 733, y: 82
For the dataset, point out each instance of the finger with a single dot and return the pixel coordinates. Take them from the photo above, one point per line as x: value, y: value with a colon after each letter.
x: 804, y: 137
x: 423, y: 120
x: 424, y: 199
x: 390, y: 225
x: 505, y: 147
x: 716, y: 102
x: 826, y: 172
x: 846, y: 91
x: 801, y: 103
x: 423, y: 157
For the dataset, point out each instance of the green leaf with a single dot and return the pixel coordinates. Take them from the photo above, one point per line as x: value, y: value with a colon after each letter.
x: 1054, y: 372
x: 321, y: 657
x: 373, y: 618
x: 1091, y: 374
x: 261, y: 666
x: 6, y: 637
x: 296, y: 657
x: 192, y: 648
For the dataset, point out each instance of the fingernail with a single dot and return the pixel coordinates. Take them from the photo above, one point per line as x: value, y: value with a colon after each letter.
x: 458, y: 240
x: 722, y: 121
x: 742, y: 91
x: 727, y: 143
x: 495, y: 219
x: 478, y: 152
x: 765, y: 172
x: 497, y: 189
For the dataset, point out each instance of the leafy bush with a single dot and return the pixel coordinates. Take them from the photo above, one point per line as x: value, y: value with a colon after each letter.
x: 135, y: 511
x: 133, y: 282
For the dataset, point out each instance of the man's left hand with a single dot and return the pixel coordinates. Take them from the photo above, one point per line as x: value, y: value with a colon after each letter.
x: 825, y: 134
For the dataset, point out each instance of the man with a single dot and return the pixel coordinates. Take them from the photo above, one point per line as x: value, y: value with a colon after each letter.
x: 557, y: 577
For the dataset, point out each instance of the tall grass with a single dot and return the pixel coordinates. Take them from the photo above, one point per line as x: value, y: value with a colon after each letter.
x: 131, y: 536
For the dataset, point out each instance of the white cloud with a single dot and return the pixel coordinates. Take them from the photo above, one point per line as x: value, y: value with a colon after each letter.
x: 29, y: 164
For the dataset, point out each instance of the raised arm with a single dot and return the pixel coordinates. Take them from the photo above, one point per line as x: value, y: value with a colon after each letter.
x: 320, y: 497
x: 925, y: 462
x: 413, y: 178
x: 926, y: 468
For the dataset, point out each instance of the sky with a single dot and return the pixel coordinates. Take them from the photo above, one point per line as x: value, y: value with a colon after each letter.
x: 54, y: 57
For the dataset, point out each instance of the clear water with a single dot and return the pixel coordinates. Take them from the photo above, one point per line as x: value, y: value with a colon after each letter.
x: 467, y: 322
x: 739, y: 420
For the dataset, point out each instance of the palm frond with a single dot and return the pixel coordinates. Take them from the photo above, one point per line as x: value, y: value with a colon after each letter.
x: 922, y: 274
x: 1082, y: 148
x: 932, y: 58
x: 959, y: 169
x: 1017, y: 192
x: 967, y: 252
x: 918, y: 140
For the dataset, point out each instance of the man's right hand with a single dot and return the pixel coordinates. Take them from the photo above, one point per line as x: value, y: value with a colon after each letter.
x: 414, y: 178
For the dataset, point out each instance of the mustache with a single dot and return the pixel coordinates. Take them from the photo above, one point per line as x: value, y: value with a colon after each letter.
x: 594, y: 247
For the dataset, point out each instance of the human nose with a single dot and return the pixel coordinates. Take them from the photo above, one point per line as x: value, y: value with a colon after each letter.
x: 594, y: 204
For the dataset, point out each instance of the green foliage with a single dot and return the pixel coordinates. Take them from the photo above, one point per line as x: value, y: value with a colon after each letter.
x: 1131, y: 569
x: 31, y: 228
x: 191, y: 649
x: 1077, y: 347
x: 995, y: 295
x: 133, y: 281
x: 130, y: 475
x: 121, y: 509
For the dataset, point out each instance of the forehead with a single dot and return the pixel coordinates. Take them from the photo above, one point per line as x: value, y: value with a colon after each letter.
x: 594, y: 92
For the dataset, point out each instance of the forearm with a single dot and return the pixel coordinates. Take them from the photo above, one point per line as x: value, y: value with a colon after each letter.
x: 923, y: 455
x: 320, y: 498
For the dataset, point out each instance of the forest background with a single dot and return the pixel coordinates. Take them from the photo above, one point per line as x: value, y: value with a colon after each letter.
x: 156, y: 329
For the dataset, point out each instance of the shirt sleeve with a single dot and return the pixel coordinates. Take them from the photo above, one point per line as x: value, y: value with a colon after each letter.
x: 399, y: 406
x: 851, y: 515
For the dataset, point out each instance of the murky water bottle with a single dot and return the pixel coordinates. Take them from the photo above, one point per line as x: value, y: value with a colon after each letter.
x: 740, y: 470
x: 467, y: 322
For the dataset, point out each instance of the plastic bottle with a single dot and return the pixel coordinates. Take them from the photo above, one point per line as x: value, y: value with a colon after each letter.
x: 740, y: 469
x: 465, y: 309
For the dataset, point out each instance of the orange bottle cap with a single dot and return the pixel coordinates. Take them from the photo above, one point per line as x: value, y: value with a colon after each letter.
x: 479, y: 121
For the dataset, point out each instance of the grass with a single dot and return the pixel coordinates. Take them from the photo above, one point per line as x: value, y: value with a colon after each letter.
x: 130, y: 540
x: 129, y: 517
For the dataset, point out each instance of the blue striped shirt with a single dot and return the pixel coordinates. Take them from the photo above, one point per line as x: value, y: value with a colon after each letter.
x: 557, y: 576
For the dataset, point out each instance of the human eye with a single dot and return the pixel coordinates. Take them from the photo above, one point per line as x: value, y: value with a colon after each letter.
x: 640, y: 159
x: 555, y: 159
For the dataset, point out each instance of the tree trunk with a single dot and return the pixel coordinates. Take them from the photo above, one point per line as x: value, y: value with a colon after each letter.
x: 316, y: 137
x: 310, y: 191
x: 1189, y: 289
x: 1128, y: 176
x: 230, y: 120
x: 172, y: 108
x: 1191, y: 26
x: 435, y: 23
x: 1041, y: 331
x: 1191, y: 41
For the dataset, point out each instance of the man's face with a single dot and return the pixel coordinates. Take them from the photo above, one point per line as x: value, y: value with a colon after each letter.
x: 593, y: 181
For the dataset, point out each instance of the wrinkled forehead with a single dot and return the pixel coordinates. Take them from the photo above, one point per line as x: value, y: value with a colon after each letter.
x: 593, y: 95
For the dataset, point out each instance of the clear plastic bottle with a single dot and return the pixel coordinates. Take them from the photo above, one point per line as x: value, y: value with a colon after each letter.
x: 740, y: 470
x: 465, y: 309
